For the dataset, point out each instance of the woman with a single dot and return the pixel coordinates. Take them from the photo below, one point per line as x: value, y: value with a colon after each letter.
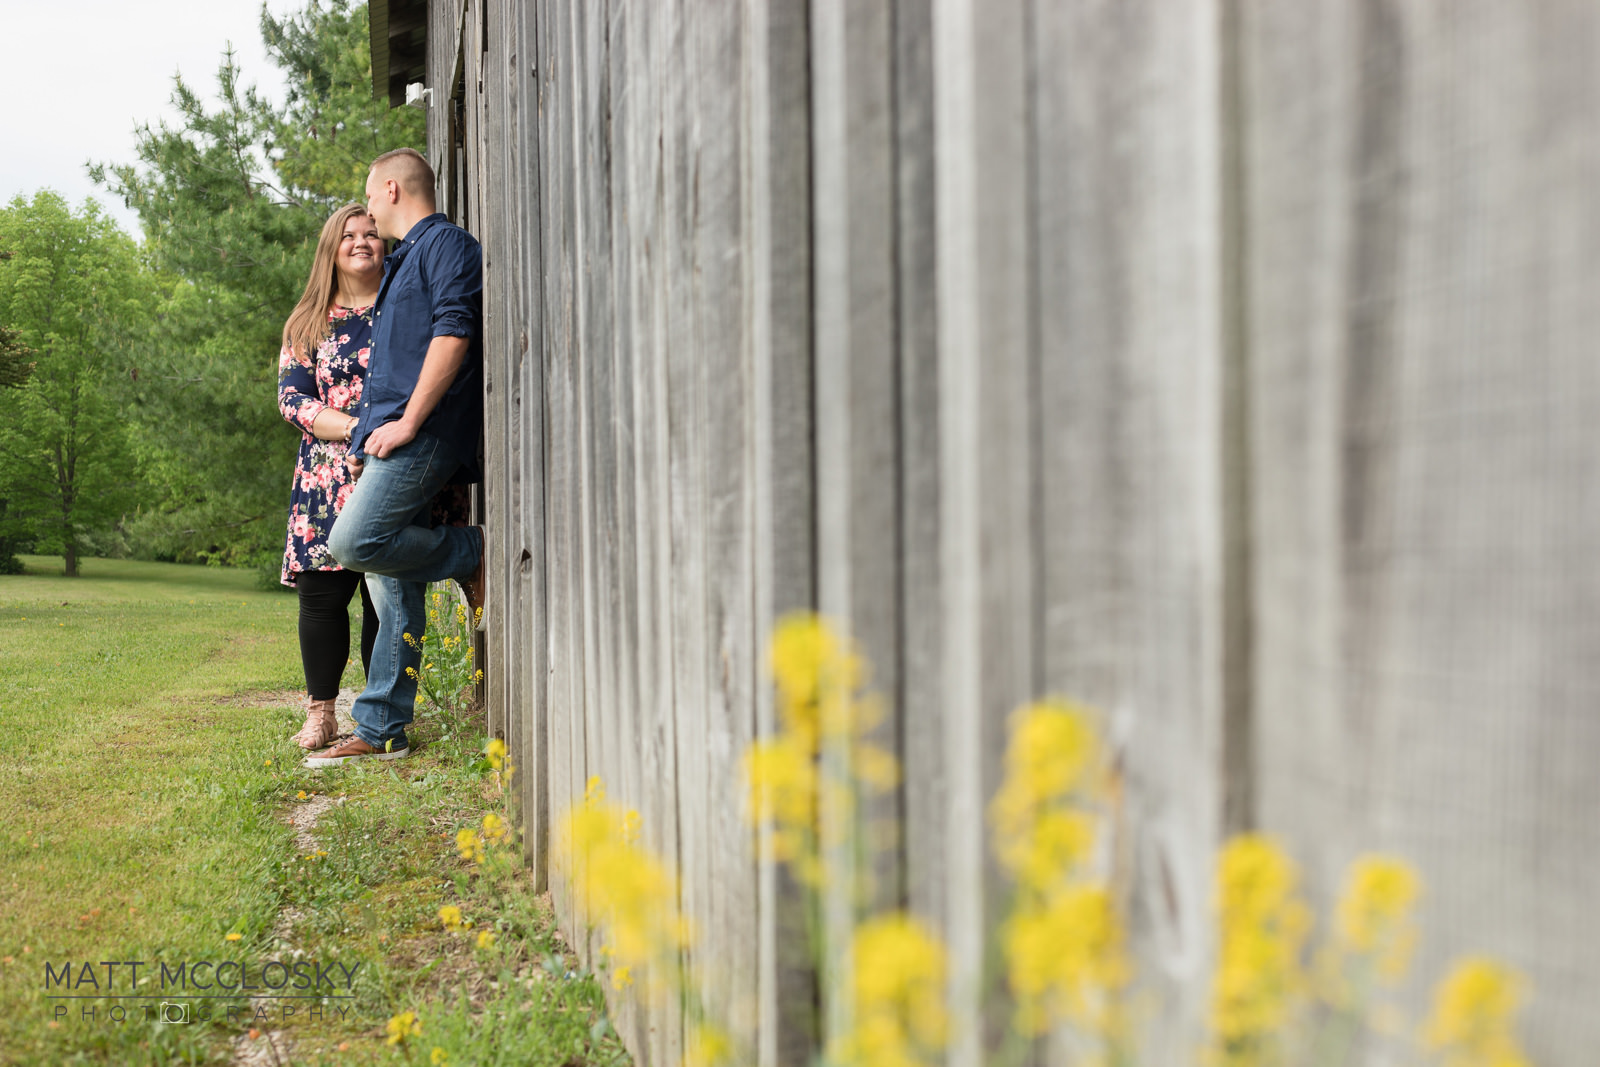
x: 326, y: 344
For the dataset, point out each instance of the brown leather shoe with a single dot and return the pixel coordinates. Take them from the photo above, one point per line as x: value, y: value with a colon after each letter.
x: 472, y: 586
x: 321, y: 726
x: 353, y: 748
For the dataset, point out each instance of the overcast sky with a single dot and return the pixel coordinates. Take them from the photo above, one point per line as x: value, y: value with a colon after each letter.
x: 78, y: 75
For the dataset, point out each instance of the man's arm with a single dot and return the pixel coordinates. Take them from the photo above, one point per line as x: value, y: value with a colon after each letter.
x: 439, y: 368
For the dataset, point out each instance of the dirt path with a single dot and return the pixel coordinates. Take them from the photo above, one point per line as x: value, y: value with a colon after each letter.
x: 275, y: 1048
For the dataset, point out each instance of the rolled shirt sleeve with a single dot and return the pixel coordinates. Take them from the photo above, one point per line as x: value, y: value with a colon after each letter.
x: 456, y: 274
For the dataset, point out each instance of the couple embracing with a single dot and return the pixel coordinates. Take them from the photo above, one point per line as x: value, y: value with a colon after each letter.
x: 382, y: 372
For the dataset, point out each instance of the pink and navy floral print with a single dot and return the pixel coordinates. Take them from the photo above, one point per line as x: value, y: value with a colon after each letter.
x: 333, y: 379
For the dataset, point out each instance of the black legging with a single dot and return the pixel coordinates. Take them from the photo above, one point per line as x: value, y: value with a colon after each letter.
x: 325, y: 628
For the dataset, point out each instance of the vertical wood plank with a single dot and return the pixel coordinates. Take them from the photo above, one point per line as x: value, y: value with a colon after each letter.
x: 687, y: 397
x: 1129, y: 341
x: 632, y: 1016
x: 921, y: 653
x: 717, y: 57
x: 858, y: 542
x: 778, y: 268
x: 986, y: 465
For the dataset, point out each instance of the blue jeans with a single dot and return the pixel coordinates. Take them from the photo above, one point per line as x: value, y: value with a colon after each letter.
x: 384, y: 527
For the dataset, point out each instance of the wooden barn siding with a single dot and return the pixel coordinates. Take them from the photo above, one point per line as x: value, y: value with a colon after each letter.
x: 1227, y: 369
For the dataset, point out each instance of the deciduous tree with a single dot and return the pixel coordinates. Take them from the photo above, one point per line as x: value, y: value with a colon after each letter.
x: 73, y: 291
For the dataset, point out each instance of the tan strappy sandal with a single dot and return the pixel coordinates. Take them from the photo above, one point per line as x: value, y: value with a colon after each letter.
x: 321, y: 726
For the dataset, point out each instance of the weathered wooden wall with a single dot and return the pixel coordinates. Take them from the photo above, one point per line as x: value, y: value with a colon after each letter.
x: 1225, y: 365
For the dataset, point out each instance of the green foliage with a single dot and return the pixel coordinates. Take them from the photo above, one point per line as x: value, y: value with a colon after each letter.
x: 231, y: 198
x: 16, y: 361
x: 74, y: 295
x: 448, y: 675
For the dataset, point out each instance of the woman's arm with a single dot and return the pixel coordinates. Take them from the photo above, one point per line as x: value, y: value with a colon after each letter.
x: 332, y: 425
x: 299, y: 403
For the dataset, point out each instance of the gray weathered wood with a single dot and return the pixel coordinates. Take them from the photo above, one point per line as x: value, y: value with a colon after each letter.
x: 1225, y: 370
x: 1128, y: 348
x: 858, y: 536
x: 777, y: 288
x: 986, y: 471
x: 1422, y: 240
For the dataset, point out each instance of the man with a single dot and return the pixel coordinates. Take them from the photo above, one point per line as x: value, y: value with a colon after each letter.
x: 421, y: 414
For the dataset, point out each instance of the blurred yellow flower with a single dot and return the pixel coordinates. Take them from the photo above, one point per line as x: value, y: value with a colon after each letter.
x: 898, y: 987
x: 1065, y: 959
x: 1263, y: 923
x: 438, y: 1056
x: 818, y: 674
x: 1374, y: 915
x: 495, y: 750
x: 403, y: 1027
x: 469, y: 845
x: 450, y: 915
x: 485, y: 939
x: 1052, y: 746
x: 496, y: 831
x: 708, y: 1047
x: 629, y: 892
x: 233, y: 937
x: 1474, y: 1010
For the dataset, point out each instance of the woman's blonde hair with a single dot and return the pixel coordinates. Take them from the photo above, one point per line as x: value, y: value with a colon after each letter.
x: 308, y: 322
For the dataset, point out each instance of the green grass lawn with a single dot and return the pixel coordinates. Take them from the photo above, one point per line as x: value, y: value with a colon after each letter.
x: 146, y: 774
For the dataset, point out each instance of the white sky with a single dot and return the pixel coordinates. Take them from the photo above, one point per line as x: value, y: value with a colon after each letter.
x: 76, y: 77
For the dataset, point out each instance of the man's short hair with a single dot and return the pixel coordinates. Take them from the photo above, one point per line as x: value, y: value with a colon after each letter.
x: 410, y: 168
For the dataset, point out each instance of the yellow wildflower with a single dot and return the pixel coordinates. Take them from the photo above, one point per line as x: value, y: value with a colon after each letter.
x: 621, y: 978
x: 233, y: 937
x: 1065, y: 959
x: 438, y: 1056
x: 708, y: 1047
x: 450, y: 915
x: 469, y: 845
x: 1264, y: 925
x: 300, y: 795
x: 403, y: 1027
x: 496, y: 831
x: 1043, y: 859
x: 485, y: 939
x: 875, y: 768
x: 1474, y: 1010
x: 629, y: 892
x: 496, y: 752
x: 898, y: 988
x: 817, y: 674
x: 1051, y: 748
x: 1374, y: 916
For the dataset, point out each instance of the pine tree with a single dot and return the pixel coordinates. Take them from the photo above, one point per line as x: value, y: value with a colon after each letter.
x: 231, y: 198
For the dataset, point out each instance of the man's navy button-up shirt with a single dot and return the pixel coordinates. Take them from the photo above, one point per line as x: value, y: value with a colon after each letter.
x: 432, y: 287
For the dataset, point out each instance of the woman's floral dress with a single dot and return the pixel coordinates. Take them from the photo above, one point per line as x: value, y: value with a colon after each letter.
x: 321, y: 482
